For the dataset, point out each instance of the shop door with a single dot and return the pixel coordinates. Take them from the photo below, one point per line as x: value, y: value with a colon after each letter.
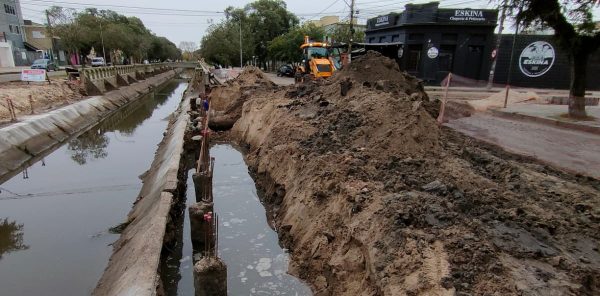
x: 474, y: 60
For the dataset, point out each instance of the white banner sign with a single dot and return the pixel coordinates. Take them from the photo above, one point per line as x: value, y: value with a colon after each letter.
x: 36, y: 75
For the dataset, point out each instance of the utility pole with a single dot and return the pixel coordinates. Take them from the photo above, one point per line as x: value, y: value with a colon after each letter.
x: 497, y: 49
x: 51, y: 34
x: 102, y: 40
x: 351, y: 31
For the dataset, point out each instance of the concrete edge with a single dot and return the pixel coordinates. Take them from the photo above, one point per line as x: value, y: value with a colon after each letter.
x: 133, y: 268
x: 547, y: 121
x: 26, y: 140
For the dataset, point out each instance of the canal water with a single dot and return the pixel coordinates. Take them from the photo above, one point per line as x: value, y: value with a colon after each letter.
x: 256, y: 263
x: 56, y: 215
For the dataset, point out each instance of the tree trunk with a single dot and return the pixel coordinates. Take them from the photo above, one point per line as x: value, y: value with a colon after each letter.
x: 578, y: 78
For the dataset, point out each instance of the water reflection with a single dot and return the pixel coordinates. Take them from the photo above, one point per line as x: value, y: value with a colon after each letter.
x: 88, y: 146
x: 11, y: 237
x: 93, y: 143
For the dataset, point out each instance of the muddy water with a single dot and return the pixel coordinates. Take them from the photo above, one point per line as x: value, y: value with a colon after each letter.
x: 256, y: 264
x: 55, y: 216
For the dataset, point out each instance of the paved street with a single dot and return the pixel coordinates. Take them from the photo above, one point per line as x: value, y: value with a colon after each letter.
x: 280, y: 80
x: 569, y: 149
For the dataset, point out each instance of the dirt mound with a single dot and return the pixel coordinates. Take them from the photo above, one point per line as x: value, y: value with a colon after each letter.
x: 372, y: 197
x: 45, y: 96
x: 497, y: 100
x: 373, y: 70
x: 227, y: 100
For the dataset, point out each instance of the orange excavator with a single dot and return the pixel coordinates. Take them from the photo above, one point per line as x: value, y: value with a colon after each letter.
x: 316, y: 61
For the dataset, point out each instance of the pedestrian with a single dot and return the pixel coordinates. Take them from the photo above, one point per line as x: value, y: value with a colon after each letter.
x: 205, y: 103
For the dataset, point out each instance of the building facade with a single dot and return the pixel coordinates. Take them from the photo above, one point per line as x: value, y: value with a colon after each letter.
x: 430, y: 41
x: 11, y: 30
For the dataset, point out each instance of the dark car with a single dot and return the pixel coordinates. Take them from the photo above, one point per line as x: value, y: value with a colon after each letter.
x: 286, y: 70
x: 45, y: 64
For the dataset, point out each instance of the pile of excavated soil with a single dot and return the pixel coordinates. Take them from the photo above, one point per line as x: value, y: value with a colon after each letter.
x: 497, y: 100
x: 226, y: 100
x: 374, y: 70
x: 372, y: 197
x: 45, y: 96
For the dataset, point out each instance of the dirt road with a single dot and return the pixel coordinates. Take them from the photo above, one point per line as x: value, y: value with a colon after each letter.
x: 574, y: 151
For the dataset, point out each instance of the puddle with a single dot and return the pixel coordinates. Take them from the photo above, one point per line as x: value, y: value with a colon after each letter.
x: 55, y: 216
x: 256, y: 264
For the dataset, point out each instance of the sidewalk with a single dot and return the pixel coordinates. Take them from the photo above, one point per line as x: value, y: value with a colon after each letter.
x: 12, y: 70
x: 551, y: 114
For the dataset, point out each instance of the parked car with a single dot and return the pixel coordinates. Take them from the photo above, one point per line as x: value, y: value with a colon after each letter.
x: 45, y: 64
x: 286, y: 70
x: 98, y: 62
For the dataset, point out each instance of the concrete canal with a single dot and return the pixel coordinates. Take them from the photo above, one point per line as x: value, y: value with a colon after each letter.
x: 58, y: 217
x: 55, y: 216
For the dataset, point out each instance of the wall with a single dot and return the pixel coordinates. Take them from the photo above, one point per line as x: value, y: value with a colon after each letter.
x: 6, y: 55
x: 558, y: 76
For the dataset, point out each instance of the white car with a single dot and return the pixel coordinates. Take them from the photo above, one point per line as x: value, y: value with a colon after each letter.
x: 98, y: 62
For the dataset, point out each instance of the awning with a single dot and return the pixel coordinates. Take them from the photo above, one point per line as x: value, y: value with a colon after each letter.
x: 30, y: 46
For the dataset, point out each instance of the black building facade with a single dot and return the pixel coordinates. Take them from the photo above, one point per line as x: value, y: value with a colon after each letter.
x: 539, y: 62
x: 429, y: 42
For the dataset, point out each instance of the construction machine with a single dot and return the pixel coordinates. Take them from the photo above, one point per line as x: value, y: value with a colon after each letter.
x: 316, y: 61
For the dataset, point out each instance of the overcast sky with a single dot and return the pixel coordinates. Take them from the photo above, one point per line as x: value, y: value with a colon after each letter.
x: 187, y: 20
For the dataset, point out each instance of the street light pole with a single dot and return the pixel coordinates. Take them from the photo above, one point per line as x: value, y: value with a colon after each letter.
x: 241, y: 59
x: 102, y: 40
x: 512, y: 54
x: 497, y: 49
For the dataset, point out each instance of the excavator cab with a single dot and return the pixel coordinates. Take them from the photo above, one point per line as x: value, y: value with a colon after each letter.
x: 316, y: 62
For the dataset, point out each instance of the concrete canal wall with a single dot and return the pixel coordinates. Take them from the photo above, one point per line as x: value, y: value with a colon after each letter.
x: 135, y: 265
x: 133, y: 268
x: 24, y: 142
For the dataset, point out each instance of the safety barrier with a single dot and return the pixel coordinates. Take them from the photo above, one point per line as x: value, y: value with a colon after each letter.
x: 98, y: 80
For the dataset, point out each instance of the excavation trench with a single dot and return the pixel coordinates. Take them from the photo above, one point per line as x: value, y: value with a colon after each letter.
x: 247, y: 244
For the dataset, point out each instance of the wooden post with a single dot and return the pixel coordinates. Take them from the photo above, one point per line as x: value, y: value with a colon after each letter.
x: 440, y: 118
x: 11, y: 110
x: 31, y: 104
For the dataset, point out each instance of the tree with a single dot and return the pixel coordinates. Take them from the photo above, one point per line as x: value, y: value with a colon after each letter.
x: 187, y: 49
x: 116, y: 33
x: 341, y: 33
x: 63, y: 23
x: 287, y: 46
x: 575, y: 32
x: 268, y: 19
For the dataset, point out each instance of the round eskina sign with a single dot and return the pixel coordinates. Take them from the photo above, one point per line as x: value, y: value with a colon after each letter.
x: 536, y: 59
x: 432, y: 53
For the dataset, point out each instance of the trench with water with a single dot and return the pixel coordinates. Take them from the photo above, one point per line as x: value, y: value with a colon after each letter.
x: 56, y: 216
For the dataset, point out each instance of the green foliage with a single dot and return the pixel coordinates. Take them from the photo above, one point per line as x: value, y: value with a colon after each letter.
x: 80, y: 31
x: 341, y: 33
x: 260, y: 21
x: 287, y: 46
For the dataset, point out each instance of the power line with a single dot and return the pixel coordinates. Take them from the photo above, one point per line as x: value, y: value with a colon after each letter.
x: 324, y: 9
x: 94, y: 5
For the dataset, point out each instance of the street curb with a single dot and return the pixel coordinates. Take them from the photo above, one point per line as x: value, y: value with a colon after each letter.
x: 547, y: 121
